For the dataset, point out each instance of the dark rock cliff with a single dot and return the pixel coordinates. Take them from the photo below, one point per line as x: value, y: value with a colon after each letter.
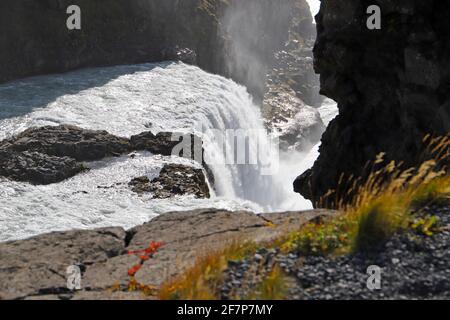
x: 35, y: 38
x: 234, y: 38
x: 392, y: 85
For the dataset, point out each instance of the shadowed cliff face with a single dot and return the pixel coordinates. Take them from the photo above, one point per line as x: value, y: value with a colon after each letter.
x: 234, y: 38
x: 392, y: 85
x: 35, y: 39
x: 257, y: 29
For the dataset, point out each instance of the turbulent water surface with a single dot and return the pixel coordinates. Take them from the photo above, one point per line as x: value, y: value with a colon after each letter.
x: 127, y: 100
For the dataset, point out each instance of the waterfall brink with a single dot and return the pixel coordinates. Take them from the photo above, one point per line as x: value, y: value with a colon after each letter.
x: 127, y: 100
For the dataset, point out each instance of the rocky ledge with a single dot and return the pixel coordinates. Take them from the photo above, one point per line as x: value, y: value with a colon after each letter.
x: 52, y: 154
x: 36, y: 268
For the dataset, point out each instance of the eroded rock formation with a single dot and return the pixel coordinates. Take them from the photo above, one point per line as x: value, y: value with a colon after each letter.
x: 392, y: 85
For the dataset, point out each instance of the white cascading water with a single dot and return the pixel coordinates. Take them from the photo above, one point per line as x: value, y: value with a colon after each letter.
x: 127, y: 100
x: 314, y: 5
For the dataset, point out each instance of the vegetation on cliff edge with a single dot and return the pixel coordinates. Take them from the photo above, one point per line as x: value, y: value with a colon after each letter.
x: 389, y: 202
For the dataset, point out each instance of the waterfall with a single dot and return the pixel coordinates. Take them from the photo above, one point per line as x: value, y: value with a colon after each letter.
x: 127, y: 100
x: 314, y: 5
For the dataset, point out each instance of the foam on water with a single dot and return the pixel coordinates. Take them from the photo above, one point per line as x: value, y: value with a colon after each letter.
x: 127, y: 100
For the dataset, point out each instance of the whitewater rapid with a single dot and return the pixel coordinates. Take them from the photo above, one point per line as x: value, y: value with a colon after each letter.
x: 127, y: 100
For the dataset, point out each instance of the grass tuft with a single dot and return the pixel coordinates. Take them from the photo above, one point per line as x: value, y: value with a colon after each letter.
x: 390, y: 201
x: 273, y: 287
x: 203, y: 281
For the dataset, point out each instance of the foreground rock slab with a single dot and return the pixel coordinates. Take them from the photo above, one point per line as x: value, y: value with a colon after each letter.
x: 36, y: 268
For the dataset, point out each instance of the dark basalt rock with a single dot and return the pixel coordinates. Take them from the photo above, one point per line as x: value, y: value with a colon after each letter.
x: 69, y: 141
x: 173, y: 180
x: 185, y: 55
x: 187, y: 146
x: 164, y: 143
x: 391, y: 85
x: 51, y: 154
x: 37, y: 168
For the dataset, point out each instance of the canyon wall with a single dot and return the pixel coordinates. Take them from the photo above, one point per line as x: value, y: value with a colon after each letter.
x: 233, y: 38
x: 392, y: 85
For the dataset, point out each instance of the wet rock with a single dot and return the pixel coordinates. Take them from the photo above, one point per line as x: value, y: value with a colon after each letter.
x: 165, y: 143
x: 188, y: 146
x: 174, y: 180
x: 69, y: 141
x: 140, y: 184
x: 292, y: 89
x: 294, y: 67
x: 185, y: 55
x: 51, y: 154
x: 297, y: 125
x: 37, y: 168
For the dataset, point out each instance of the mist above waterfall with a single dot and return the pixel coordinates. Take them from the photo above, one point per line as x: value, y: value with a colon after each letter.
x: 254, y: 30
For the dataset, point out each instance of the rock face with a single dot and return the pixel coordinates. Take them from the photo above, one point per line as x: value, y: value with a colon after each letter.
x: 233, y: 38
x: 174, y: 179
x: 297, y: 125
x: 52, y: 154
x: 292, y: 87
x: 259, y: 33
x: 36, y: 268
x: 391, y: 85
x: 293, y: 65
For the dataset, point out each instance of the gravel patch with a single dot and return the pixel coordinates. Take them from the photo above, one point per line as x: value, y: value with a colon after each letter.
x: 412, y: 266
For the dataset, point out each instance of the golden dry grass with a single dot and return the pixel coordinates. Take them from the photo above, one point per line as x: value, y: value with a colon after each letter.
x: 382, y: 206
x: 204, y: 279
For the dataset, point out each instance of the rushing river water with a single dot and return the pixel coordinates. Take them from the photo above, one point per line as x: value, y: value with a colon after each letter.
x: 127, y: 100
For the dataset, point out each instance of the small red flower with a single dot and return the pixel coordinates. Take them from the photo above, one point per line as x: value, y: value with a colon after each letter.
x: 144, y: 257
x: 133, y: 270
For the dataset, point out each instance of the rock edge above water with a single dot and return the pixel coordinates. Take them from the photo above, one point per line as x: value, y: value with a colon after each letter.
x: 35, y: 268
